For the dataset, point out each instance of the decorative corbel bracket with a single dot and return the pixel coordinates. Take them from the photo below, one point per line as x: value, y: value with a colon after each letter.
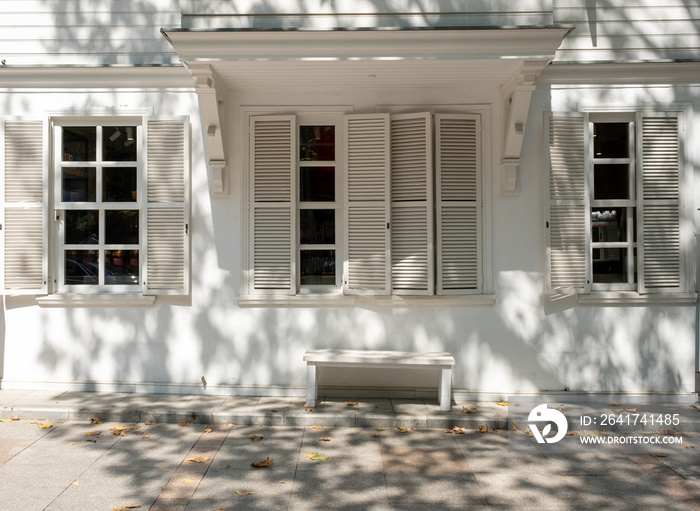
x: 517, y: 93
x: 211, y: 93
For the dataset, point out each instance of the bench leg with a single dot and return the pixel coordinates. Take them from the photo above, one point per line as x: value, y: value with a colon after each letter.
x: 311, y: 384
x: 445, y: 390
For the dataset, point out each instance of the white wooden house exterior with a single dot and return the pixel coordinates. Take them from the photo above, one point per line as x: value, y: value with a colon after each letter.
x: 201, y: 190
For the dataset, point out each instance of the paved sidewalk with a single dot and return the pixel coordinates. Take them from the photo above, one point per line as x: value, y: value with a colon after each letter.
x: 182, y: 453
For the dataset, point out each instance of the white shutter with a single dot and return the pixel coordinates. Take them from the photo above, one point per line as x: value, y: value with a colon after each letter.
x: 458, y: 200
x: 412, y: 253
x: 273, y: 204
x: 568, y: 222
x: 368, y: 205
x: 25, y: 158
x: 659, y: 192
x: 165, y: 232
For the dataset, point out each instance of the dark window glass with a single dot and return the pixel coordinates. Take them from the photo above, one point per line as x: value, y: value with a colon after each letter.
x: 121, y: 267
x: 609, y: 225
x: 79, y: 143
x: 119, y: 143
x: 611, y: 140
x: 119, y: 184
x: 611, y: 181
x: 121, y: 227
x: 610, y: 265
x: 82, y: 227
x: 317, y: 267
x: 317, y: 143
x: 317, y: 184
x: 79, y: 184
x: 317, y: 226
x: 81, y: 267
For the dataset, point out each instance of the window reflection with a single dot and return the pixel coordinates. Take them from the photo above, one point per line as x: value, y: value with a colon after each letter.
x: 317, y: 267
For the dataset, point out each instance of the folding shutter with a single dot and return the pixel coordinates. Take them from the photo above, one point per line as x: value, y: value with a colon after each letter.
x: 166, y: 229
x: 368, y: 205
x: 412, y: 220
x: 568, y: 223
x: 458, y: 200
x: 273, y: 163
x: 25, y: 207
x: 659, y: 192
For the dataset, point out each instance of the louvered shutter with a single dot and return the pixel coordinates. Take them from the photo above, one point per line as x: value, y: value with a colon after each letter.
x: 25, y: 159
x: 412, y: 254
x: 273, y: 164
x: 458, y: 201
x: 166, y: 220
x: 659, y: 237
x: 368, y: 205
x: 568, y: 222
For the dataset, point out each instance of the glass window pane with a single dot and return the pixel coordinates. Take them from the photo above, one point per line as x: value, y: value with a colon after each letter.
x: 611, y: 181
x: 317, y: 226
x: 79, y: 184
x: 317, y: 184
x: 611, y: 140
x: 122, y: 267
x: 610, y: 265
x: 317, y: 143
x: 79, y: 143
x: 119, y: 184
x: 317, y: 268
x: 609, y: 225
x: 81, y: 267
x: 119, y: 143
x: 82, y: 227
x: 121, y: 227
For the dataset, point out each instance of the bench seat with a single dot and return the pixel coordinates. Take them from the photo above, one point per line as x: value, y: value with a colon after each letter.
x: 380, y: 359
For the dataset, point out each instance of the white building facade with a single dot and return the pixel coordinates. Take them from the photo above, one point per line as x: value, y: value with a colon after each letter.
x: 196, y: 192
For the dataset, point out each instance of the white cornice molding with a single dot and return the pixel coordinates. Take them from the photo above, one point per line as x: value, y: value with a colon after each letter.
x: 621, y: 73
x: 103, y: 77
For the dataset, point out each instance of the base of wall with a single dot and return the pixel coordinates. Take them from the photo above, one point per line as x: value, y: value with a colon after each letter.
x: 459, y: 395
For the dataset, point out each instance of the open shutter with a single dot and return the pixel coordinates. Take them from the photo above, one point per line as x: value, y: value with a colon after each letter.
x: 659, y: 192
x: 166, y: 226
x: 412, y: 220
x: 368, y: 205
x: 25, y: 231
x: 273, y: 204
x: 458, y: 200
x: 568, y: 224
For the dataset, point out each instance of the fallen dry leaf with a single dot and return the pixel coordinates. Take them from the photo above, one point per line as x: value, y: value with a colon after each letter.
x: 267, y: 462
x: 91, y: 440
x: 124, y: 508
x: 307, y: 408
x: 188, y: 481
x: 466, y: 409
x: 402, y: 429
x: 121, y: 430
x: 92, y: 433
x: 483, y: 428
x: 186, y: 423
x: 6, y: 420
x: 374, y: 436
x: 326, y: 439
x: 208, y: 430
x: 231, y: 425
x: 96, y: 421
x: 688, y: 446
x: 456, y: 430
x: 613, y: 404
x: 72, y: 443
x: 255, y: 437
x: 146, y: 436
x: 199, y: 459
x: 221, y: 509
x: 316, y: 456
x: 658, y: 455
x: 148, y: 423
x: 76, y: 483
x: 502, y: 403
x: 45, y: 426
x: 317, y: 427
x: 352, y: 403
x: 378, y: 429
x: 631, y: 410
x: 242, y: 493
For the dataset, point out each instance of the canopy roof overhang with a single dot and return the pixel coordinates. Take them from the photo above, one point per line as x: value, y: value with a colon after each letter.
x: 507, y: 60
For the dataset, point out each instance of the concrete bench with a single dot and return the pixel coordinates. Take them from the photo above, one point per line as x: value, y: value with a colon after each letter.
x: 380, y: 359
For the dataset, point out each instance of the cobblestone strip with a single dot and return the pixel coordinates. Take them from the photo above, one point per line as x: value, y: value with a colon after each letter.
x: 177, y: 493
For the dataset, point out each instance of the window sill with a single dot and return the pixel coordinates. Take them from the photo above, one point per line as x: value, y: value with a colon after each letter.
x: 632, y: 298
x: 435, y: 300
x: 97, y: 300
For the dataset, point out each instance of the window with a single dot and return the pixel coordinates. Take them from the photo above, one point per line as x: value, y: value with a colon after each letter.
x: 615, y: 205
x: 106, y: 213
x: 370, y: 204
